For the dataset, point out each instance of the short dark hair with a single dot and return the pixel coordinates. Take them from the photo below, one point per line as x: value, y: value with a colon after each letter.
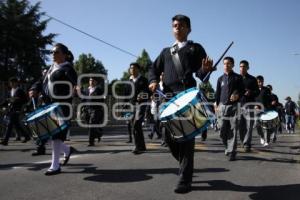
x: 230, y: 59
x: 13, y: 79
x: 64, y: 49
x: 182, y: 18
x: 260, y: 77
x: 245, y: 62
x: 94, y: 79
x: 135, y: 64
x: 270, y: 87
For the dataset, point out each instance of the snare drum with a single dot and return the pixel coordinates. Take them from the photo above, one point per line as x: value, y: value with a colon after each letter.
x: 269, y: 119
x: 128, y: 115
x: 186, y: 115
x: 46, y: 122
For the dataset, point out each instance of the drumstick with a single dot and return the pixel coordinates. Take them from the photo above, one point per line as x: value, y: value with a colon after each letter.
x: 163, y: 95
x: 33, y: 102
x: 215, y: 66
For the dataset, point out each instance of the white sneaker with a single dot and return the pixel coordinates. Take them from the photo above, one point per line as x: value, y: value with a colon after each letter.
x: 262, y: 141
x: 226, y: 153
x: 266, y: 144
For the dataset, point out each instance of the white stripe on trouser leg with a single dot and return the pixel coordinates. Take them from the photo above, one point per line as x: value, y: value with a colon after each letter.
x: 56, y: 149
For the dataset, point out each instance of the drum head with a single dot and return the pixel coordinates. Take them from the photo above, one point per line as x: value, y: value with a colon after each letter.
x: 269, y: 115
x: 41, y: 112
x: 178, y: 103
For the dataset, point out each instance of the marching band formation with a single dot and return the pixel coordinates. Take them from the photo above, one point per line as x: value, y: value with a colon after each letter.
x: 169, y: 98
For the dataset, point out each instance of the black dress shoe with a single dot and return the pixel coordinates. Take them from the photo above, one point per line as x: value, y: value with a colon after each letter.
x: 66, y: 160
x: 25, y: 140
x: 203, y: 136
x: 232, y: 157
x: 136, y: 151
x: 129, y: 141
x: 164, y: 144
x: 183, y: 188
x: 150, y: 136
x: 247, y: 149
x: 38, y: 153
x: 52, y: 172
x: 4, y: 143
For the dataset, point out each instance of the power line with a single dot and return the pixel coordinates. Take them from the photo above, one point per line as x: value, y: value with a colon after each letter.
x: 94, y: 37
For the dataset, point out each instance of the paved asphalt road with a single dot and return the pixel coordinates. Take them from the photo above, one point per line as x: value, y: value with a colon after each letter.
x: 110, y: 171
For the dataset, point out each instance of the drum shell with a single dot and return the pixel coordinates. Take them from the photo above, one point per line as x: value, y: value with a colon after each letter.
x: 47, y: 125
x: 189, y: 121
x: 269, y: 124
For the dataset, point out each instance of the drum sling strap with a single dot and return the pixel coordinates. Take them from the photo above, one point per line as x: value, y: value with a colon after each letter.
x: 176, y: 60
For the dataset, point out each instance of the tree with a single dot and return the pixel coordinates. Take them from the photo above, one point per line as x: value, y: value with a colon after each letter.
x: 118, y: 89
x: 144, y: 61
x: 22, y: 41
x: 87, y: 64
x: 208, y: 90
x: 298, y: 100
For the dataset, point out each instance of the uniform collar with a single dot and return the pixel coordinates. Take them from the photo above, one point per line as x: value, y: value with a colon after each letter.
x: 135, y: 79
x: 180, y: 44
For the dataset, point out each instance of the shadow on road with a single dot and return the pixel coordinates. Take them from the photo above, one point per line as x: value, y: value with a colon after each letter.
x: 276, y: 192
x: 132, y: 175
x: 279, y: 152
x: 17, y: 150
x: 280, y: 160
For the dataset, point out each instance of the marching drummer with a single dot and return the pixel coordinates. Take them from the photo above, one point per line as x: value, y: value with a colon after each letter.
x: 264, y: 98
x: 276, y: 107
x: 61, y: 70
x: 14, y: 104
x: 190, y: 58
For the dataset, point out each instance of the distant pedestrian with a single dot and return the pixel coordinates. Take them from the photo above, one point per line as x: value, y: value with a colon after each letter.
x: 290, y: 117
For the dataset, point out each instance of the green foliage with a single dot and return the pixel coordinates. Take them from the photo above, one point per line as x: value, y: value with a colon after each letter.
x: 298, y: 118
x: 22, y: 42
x: 119, y: 89
x: 125, y: 76
x: 208, y: 90
x: 86, y: 63
x: 298, y: 101
x: 144, y: 61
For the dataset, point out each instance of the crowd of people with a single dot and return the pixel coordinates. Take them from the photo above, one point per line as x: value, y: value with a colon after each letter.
x: 172, y: 72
